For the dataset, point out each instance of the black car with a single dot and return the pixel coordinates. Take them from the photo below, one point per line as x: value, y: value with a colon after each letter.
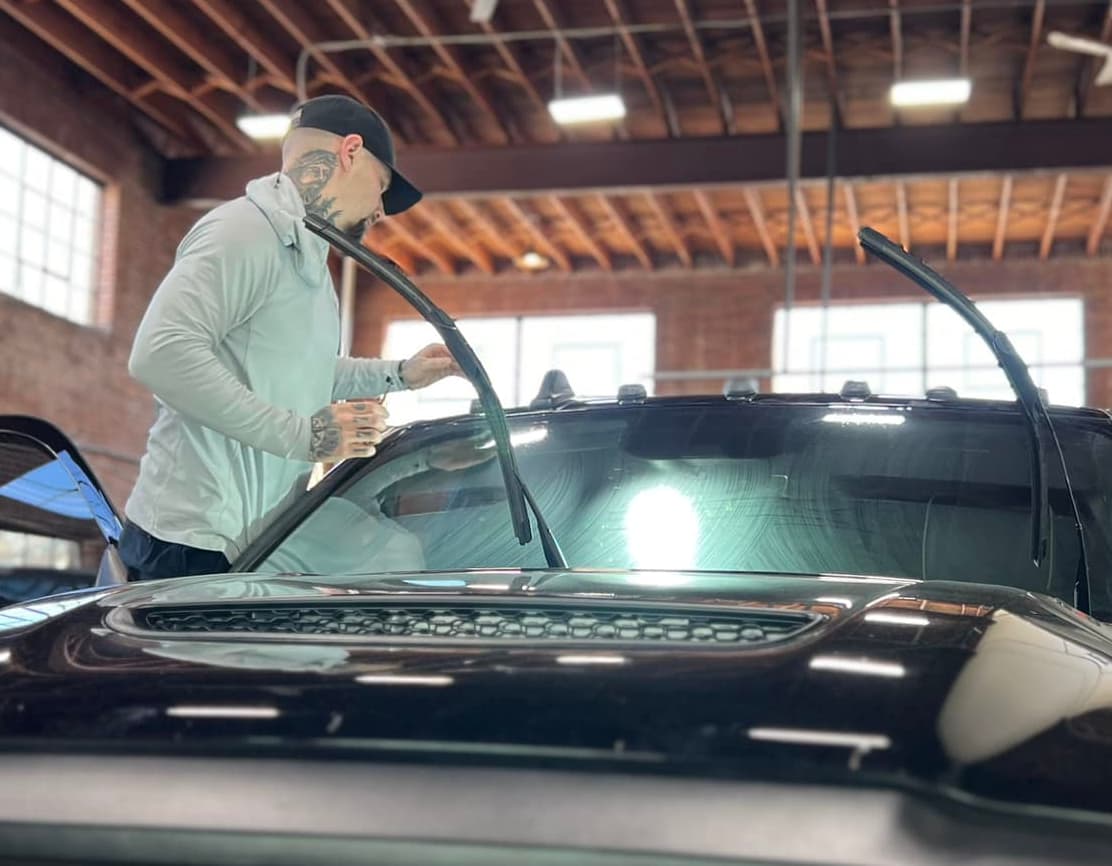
x: 758, y: 628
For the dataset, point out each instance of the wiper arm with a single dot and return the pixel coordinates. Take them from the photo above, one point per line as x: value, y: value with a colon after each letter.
x: 517, y: 494
x: 1040, y: 428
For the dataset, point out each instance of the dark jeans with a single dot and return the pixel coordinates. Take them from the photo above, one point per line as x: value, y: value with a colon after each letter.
x: 150, y: 558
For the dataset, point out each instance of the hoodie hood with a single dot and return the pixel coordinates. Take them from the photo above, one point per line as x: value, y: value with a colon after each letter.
x: 280, y: 202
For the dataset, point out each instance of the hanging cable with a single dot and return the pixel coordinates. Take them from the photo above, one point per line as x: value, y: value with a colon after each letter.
x: 794, y: 74
x: 828, y: 251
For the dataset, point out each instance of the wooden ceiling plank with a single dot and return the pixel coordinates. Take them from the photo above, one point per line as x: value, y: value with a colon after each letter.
x: 756, y: 213
x: 1002, y: 219
x: 521, y: 77
x: 668, y: 223
x: 757, y: 29
x: 390, y: 246
x: 421, y: 247
x: 184, y: 33
x: 827, y: 35
x: 566, y: 48
x: 452, y: 234
x: 451, y: 58
x: 229, y: 16
x: 67, y: 36
x: 901, y: 210
x: 616, y: 8
x: 1053, y: 216
x: 360, y: 31
x: 854, y: 223
x: 1037, y: 18
x: 578, y: 225
x: 717, y: 227
x: 495, y: 236
x: 952, y: 222
x: 697, y: 51
x: 112, y: 23
x: 808, y: 226
x: 539, y: 238
x: 1096, y: 233
x: 626, y: 230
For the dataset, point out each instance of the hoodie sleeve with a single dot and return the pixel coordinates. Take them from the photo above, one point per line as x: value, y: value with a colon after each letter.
x: 366, y: 378
x: 219, y: 280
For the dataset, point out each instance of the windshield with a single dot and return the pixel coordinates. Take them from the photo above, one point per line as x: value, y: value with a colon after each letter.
x: 930, y: 493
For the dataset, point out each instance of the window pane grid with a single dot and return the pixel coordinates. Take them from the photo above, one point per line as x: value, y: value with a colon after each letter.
x: 49, y: 222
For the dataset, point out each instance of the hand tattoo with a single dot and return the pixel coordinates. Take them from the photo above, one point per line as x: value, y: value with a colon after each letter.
x: 325, y: 438
x: 311, y: 173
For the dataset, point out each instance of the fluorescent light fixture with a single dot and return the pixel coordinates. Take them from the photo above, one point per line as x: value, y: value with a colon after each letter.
x: 263, y: 126
x: 433, y: 680
x: 482, y: 11
x: 800, y: 736
x: 662, y: 530
x: 897, y: 619
x: 591, y: 660
x: 215, y: 712
x: 5, y: 656
x: 919, y: 94
x: 587, y: 109
x: 531, y: 260
x: 876, y: 419
x: 867, y: 667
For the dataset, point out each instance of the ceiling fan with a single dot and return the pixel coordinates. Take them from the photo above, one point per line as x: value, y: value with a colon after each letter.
x: 1082, y: 45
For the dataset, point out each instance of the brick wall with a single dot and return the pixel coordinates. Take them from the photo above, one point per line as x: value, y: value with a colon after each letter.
x: 717, y: 322
x: 72, y: 375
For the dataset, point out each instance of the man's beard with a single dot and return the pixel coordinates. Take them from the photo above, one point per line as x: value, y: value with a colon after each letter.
x: 357, y: 231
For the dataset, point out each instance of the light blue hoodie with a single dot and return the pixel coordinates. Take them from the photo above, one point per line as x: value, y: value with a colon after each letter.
x: 240, y: 345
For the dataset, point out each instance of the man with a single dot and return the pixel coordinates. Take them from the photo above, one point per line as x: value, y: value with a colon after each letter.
x: 240, y: 346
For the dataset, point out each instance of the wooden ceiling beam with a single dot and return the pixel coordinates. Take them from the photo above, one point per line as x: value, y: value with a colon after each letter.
x: 1089, y: 67
x: 1096, y: 233
x: 717, y: 228
x: 761, y: 43
x: 808, y: 226
x: 622, y: 224
x: 228, y: 16
x: 67, y: 36
x: 901, y: 212
x: 420, y: 246
x: 495, y: 235
x: 725, y: 119
x: 578, y: 225
x: 827, y: 35
x: 668, y: 224
x: 112, y: 23
x: 952, y: 221
x: 453, y: 236
x: 757, y: 214
x: 1002, y: 211
x: 393, y: 68
x: 1037, y: 18
x: 683, y: 163
x: 450, y: 57
x: 186, y: 34
x: 616, y: 8
x: 1053, y: 216
x: 854, y: 223
x: 540, y: 239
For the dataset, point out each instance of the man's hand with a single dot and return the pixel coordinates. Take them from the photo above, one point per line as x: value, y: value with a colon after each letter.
x: 429, y: 366
x: 344, y: 430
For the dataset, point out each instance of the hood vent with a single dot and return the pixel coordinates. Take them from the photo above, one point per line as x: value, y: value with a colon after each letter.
x: 482, y: 622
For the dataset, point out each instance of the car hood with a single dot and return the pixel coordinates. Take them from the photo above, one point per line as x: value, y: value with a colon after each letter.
x: 969, y: 688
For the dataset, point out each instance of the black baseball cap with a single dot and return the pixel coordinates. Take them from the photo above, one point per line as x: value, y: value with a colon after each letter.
x: 343, y: 115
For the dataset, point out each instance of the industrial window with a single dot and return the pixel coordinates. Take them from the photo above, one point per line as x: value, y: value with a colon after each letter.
x: 903, y: 349
x: 49, y: 231
x: 598, y: 353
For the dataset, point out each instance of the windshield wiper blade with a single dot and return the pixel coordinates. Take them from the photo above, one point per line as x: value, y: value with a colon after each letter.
x: 1040, y: 428
x: 517, y: 494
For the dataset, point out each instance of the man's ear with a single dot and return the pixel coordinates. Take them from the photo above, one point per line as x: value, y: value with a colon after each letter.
x: 350, y: 145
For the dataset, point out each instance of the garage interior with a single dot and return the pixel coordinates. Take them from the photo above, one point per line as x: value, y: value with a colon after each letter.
x: 673, y: 220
